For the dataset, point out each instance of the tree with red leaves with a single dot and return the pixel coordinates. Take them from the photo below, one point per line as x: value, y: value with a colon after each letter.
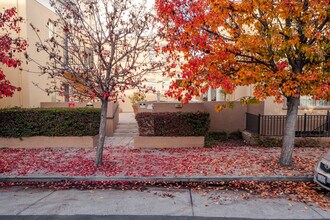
x: 100, y: 48
x: 281, y: 47
x: 9, y: 47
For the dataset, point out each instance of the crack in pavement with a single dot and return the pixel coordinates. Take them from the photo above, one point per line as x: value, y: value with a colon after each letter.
x: 29, y: 206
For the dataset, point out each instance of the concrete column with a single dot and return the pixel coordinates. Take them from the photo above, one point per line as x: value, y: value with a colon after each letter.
x: 209, y: 94
x: 217, y: 96
x: 158, y: 96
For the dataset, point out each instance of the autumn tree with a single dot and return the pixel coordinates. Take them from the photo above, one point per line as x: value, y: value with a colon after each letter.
x: 279, y: 46
x: 100, y: 48
x: 10, y: 45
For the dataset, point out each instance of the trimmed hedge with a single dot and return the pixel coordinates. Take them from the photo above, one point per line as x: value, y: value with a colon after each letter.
x: 173, y: 123
x: 17, y: 122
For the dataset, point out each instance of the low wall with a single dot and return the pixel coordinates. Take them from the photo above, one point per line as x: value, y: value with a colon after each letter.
x: 228, y: 120
x: 256, y: 109
x: 168, y: 142
x: 112, y: 113
x: 49, y: 142
x: 172, y: 107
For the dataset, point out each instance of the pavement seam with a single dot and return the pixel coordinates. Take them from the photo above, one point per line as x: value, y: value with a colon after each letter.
x: 311, y: 207
x: 191, y: 203
x: 20, y: 212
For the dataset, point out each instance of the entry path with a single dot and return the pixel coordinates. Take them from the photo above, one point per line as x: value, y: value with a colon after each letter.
x: 29, y: 202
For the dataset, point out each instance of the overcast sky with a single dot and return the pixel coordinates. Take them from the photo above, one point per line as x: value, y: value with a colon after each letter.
x: 150, y: 3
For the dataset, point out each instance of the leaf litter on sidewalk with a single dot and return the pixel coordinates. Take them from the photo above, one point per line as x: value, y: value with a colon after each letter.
x: 227, y: 160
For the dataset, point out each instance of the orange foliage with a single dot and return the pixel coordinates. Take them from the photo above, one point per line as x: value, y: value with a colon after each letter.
x: 282, y: 47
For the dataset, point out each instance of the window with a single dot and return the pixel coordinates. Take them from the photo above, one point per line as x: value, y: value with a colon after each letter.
x: 88, y: 56
x: 308, y: 102
x: 165, y: 56
x: 166, y: 85
x: 151, y: 54
x: 152, y: 83
x: 50, y: 29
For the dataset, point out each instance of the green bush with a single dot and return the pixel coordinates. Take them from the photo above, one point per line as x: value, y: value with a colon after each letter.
x: 17, y: 122
x: 173, y: 123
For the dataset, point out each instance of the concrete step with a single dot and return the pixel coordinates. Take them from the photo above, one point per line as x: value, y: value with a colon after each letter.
x: 123, y: 130
x: 131, y: 125
x: 126, y: 130
x: 125, y: 134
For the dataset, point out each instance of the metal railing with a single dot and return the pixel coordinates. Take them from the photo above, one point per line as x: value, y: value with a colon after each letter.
x: 273, y: 125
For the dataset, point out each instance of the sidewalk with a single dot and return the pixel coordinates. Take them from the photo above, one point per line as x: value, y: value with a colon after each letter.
x: 151, y: 203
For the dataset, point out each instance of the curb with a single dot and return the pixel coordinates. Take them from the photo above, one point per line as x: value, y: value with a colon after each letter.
x: 156, y: 179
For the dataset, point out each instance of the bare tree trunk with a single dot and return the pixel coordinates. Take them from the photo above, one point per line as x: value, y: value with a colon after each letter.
x: 100, y: 143
x: 289, y: 131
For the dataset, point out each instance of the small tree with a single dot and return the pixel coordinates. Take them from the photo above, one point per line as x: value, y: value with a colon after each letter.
x: 281, y: 47
x: 100, y: 49
x: 9, y: 47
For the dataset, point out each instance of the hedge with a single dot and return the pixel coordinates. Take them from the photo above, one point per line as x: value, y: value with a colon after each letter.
x: 173, y: 123
x: 17, y: 122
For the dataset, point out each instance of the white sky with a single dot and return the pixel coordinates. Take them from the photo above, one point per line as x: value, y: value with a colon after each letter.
x: 150, y: 3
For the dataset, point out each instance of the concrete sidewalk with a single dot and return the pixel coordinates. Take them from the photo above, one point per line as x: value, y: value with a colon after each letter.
x: 152, y: 202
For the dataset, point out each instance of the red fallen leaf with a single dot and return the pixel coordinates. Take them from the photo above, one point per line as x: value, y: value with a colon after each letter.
x: 5, y: 189
x: 229, y: 159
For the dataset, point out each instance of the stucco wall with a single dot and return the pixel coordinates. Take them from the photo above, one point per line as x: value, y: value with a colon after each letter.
x: 172, y: 107
x: 272, y: 108
x: 30, y: 96
x: 256, y: 109
x: 228, y: 120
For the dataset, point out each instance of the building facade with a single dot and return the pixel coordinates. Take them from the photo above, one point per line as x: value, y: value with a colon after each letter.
x: 28, y: 76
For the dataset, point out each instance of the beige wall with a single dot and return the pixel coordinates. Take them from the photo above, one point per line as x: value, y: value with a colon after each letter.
x: 35, y: 13
x: 272, y: 108
x: 173, y: 107
x: 256, y: 109
x: 228, y: 120
x: 14, y: 75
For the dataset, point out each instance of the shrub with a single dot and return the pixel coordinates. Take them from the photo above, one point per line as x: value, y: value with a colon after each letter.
x: 137, y: 97
x: 173, y: 123
x: 17, y: 122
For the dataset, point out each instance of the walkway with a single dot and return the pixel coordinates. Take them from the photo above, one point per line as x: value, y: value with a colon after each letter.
x: 28, y: 202
x: 127, y: 127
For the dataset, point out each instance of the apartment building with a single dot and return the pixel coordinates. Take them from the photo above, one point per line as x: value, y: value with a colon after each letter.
x: 28, y: 76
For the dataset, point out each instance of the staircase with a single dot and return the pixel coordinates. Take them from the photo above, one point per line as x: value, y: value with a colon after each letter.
x: 126, y: 130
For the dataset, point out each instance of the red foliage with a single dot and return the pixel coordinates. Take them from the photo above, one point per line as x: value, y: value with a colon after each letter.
x: 9, y: 46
